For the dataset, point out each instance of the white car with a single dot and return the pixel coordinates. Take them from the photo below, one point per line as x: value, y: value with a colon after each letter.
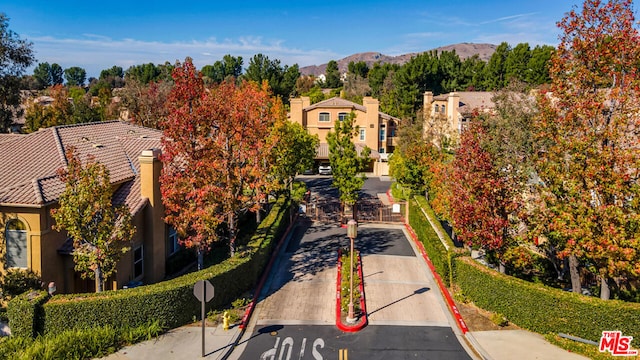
x: 324, y: 169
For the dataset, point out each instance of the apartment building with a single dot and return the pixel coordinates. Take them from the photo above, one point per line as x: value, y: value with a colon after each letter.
x: 376, y: 130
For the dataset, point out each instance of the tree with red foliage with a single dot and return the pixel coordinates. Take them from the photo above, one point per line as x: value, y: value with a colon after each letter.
x: 587, y: 134
x: 217, y: 142
x: 482, y: 199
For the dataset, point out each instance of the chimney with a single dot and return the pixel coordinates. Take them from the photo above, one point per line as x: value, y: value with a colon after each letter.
x: 371, y: 123
x: 426, y: 103
x: 155, y: 229
x: 296, y: 114
x: 453, y: 104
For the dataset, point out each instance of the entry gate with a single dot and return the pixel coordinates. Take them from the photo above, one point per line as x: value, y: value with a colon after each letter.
x: 367, y: 211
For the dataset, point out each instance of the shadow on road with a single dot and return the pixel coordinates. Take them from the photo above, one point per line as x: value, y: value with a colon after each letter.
x: 416, y: 292
x: 313, y: 248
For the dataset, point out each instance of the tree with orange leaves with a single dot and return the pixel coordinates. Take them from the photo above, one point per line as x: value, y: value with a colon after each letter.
x: 217, y: 142
x: 587, y: 132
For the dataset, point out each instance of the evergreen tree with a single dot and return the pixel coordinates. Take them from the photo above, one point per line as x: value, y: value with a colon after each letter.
x: 332, y: 75
x: 516, y: 64
x: 230, y: 66
x: 16, y: 56
x: 538, y: 66
x: 495, y: 69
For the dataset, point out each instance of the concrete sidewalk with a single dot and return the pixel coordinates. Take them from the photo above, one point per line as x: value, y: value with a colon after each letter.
x: 517, y: 344
x: 183, y: 343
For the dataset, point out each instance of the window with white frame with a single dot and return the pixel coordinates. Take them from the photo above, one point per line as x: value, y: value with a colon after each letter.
x: 443, y: 108
x: 324, y: 117
x: 172, y: 242
x: 342, y: 116
x: 138, y: 262
x: 437, y: 108
x: 362, y: 134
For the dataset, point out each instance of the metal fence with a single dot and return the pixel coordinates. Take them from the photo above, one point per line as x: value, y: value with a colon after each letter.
x: 367, y: 211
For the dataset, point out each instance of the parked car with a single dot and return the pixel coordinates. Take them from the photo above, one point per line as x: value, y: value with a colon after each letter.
x: 308, y: 172
x: 324, y: 169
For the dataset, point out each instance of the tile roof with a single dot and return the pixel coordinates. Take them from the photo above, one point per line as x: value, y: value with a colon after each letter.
x: 336, y: 102
x: 9, y: 137
x: 29, y: 163
x: 472, y: 100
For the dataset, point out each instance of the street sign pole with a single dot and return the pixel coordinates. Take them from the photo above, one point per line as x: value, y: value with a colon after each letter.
x: 203, y: 291
x: 204, y: 296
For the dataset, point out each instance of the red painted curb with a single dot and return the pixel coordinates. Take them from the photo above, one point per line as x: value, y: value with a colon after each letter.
x: 452, y: 306
x: 363, y: 320
x: 256, y: 295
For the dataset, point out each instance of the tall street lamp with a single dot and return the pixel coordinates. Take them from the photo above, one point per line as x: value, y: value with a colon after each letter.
x: 352, y: 232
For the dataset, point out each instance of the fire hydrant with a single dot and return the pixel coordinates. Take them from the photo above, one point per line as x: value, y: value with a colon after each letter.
x: 225, y: 320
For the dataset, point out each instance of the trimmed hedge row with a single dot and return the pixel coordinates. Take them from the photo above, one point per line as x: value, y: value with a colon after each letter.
x: 543, y: 309
x: 171, y: 302
x: 25, y: 313
x: 532, y: 306
x: 440, y: 257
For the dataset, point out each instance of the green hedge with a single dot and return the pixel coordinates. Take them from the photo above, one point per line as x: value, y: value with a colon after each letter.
x: 25, y: 313
x: 80, y: 344
x: 535, y: 307
x: 543, y: 309
x: 171, y: 302
x: 440, y: 257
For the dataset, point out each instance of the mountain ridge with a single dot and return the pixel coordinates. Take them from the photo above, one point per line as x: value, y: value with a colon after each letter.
x: 464, y: 50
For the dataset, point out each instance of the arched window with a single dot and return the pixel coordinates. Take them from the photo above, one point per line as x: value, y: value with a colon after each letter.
x: 437, y: 108
x: 16, y: 240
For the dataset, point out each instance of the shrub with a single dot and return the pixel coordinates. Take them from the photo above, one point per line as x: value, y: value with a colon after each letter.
x: 78, y: 343
x: 543, y: 309
x: 10, y: 346
x: 170, y: 302
x: 499, y: 319
x: 25, y: 313
x: 345, y: 283
x: 397, y: 191
x: 17, y: 281
x: 440, y: 257
x: 525, y: 264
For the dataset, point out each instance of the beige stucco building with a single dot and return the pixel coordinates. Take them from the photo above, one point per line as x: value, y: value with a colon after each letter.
x: 376, y: 130
x: 30, y: 187
x: 457, y: 108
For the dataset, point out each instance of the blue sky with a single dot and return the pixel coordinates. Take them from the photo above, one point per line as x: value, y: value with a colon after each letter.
x: 96, y: 35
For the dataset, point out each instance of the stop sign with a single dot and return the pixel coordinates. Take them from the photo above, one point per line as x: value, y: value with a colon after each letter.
x: 203, y: 290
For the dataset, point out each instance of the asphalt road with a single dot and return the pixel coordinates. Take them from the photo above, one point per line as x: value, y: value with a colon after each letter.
x: 292, y: 321
x: 322, y: 185
x: 373, y: 342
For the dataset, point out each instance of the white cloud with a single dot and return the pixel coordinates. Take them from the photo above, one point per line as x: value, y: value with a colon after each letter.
x: 504, y: 18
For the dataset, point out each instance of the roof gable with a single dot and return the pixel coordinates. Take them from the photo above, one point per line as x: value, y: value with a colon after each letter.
x: 28, y: 175
x: 336, y: 102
